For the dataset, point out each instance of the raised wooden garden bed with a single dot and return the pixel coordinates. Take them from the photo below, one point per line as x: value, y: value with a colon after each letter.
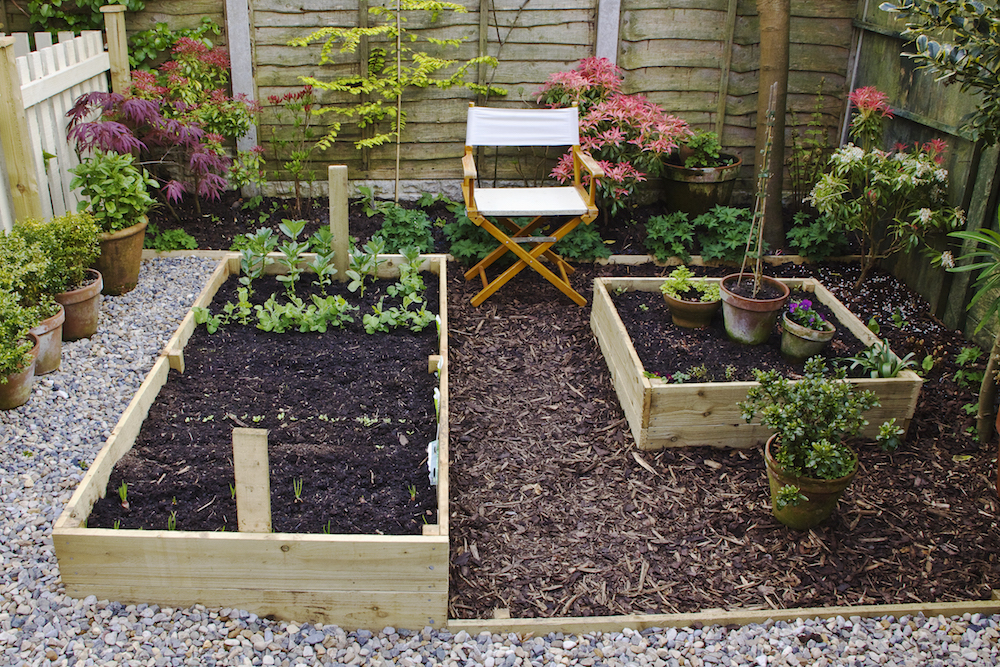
x: 679, y: 415
x: 357, y: 581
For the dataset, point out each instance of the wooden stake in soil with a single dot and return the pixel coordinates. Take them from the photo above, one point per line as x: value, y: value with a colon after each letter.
x: 337, y: 175
x: 253, y: 485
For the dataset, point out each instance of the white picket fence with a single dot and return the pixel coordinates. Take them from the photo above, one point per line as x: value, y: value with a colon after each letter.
x: 52, y: 77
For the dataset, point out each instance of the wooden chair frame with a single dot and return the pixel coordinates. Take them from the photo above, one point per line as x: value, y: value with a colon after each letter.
x: 577, y: 203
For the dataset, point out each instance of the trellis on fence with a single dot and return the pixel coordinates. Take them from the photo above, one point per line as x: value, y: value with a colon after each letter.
x: 35, y: 155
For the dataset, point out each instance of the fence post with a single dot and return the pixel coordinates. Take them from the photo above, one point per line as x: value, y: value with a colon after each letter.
x: 114, y: 27
x: 15, y: 138
x: 608, y: 25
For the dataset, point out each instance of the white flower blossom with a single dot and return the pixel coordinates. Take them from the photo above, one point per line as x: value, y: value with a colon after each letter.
x: 925, y: 215
x: 941, y: 175
x: 947, y: 260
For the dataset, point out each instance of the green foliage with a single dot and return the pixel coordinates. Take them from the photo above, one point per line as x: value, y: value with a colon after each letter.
x: 878, y: 361
x: 583, y: 244
x: 292, y: 251
x: 469, y: 242
x: 984, y: 258
x: 966, y: 375
x: 817, y: 238
x: 889, y: 436
x: 254, y: 255
x: 15, y: 322
x: 809, y: 153
x: 146, y: 46
x: 723, y: 233
x: 702, y: 150
x: 76, y: 15
x: 787, y: 495
x: 168, y: 239
x: 681, y: 281
x: 247, y: 170
x: 68, y: 243
x: 404, y: 228
x: 958, y: 41
x: 115, y: 190
x: 317, y: 316
x: 22, y: 269
x: 811, y: 417
x: 393, y: 67
x: 670, y: 235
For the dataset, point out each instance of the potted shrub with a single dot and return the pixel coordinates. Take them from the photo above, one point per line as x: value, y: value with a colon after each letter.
x: 69, y: 245
x: 698, y: 176
x: 118, y: 200
x: 809, y: 464
x: 22, y: 272
x: 692, y: 301
x: 18, y: 350
x: 804, y: 332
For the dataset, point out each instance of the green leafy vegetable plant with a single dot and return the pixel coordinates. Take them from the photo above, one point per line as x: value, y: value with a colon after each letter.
x: 878, y: 361
x: 682, y: 285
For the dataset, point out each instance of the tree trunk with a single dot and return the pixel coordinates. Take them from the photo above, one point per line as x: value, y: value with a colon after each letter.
x: 774, y: 20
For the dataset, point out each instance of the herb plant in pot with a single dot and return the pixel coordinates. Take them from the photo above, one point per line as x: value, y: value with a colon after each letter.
x: 118, y: 200
x: 692, y: 301
x: 809, y: 464
x: 22, y: 272
x: 804, y: 332
x: 18, y: 350
x: 698, y: 176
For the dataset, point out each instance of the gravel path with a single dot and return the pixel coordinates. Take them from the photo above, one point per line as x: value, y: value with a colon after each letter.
x: 49, y: 442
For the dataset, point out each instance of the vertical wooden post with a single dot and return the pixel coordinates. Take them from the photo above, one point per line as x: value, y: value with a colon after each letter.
x: 114, y: 26
x: 253, y: 482
x: 727, y: 63
x: 609, y: 14
x: 16, y: 141
x: 337, y: 176
x: 241, y: 68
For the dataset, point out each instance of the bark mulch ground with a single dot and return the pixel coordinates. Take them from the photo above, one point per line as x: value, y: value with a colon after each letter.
x: 555, y: 512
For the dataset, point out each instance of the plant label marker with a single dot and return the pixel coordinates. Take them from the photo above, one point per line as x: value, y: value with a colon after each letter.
x: 253, y: 486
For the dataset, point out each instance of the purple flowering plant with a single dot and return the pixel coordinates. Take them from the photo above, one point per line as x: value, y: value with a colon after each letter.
x: 801, y: 312
x: 176, y: 121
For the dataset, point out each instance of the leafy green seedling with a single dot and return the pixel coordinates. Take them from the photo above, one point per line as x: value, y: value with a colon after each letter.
x: 297, y: 488
x: 172, y: 521
x: 412, y: 490
x: 123, y: 494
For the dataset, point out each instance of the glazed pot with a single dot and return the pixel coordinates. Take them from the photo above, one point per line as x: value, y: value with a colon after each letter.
x: 121, y: 258
x: 83, y: 308
x: 748, y: 320
x: 697, y: 190
x: 49, y: 333
x: 822, y: 494
x: 798, y: 342
x: 17, y: 390
x: 691, y: 314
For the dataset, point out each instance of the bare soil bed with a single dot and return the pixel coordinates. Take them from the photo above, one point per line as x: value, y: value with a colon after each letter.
x: 348, y: 413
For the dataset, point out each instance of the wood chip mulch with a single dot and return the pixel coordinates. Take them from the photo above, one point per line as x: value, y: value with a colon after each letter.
x: 555, y: 512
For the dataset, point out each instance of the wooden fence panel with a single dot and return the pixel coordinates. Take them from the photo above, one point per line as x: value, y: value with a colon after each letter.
x: 51, y: 78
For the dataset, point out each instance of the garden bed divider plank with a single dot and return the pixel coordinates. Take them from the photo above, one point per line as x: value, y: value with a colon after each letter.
x: 252, y: 474
x: 175, y: 346
x: 356, y: 581
x: 677, y: 415
x: 580, y: 625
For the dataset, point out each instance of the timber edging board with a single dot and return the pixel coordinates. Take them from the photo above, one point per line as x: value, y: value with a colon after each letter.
x: 679, y: 415
x: 355, y: 581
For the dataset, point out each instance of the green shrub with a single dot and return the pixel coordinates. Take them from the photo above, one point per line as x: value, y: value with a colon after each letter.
x: 405, y: 228
x: 168, y: 239
x: 15, y: 322
x: 723, y: 233
x: 670, y: 235
x: 583, y: 244
x: 70, y: 244
x: 817, y: 238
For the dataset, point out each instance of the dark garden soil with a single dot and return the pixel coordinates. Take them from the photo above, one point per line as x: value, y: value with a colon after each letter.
x: 555, y: 512
x: 348, y: 413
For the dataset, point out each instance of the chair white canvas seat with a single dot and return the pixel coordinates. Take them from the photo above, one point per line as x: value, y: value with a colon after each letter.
x: 521, y: 202
x: 501, y: 211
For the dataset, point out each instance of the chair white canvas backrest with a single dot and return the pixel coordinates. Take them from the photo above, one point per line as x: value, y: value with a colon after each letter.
x: 489, y: 126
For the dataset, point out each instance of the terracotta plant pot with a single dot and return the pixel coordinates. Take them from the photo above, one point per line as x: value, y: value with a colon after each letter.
x: 798, y: 343
x: 17, y: 390
x: 751, y: 321
x: 83, y: 308
x: 49, y: 333
x: 691, y: 314
x: 822, y: 494
x: 697, y: 190
x: 121, y: 258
